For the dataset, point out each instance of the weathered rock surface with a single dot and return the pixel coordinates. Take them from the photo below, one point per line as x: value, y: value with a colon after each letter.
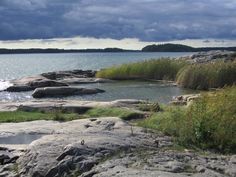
x: 211, y: 56
x: 63, y: 91
x: 105, y: 147
x: 67, y: 105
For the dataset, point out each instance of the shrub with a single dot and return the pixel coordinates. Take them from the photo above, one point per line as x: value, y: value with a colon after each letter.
x: 208, y: 123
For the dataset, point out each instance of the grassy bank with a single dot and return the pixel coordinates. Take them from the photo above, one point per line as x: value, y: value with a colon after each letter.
x: 152, y: 69
x: 209, y: 123
x: 21, y: 116
x: 194, y: 76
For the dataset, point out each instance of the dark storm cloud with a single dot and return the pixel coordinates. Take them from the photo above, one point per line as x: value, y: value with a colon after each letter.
x: 148, y: 20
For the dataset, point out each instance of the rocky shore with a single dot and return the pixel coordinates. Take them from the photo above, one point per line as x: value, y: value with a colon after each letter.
x: 211, y: 56
x: 102, y: 147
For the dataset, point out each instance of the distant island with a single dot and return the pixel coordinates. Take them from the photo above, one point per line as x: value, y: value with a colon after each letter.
x: 149, y: 48
x: 181, y: 48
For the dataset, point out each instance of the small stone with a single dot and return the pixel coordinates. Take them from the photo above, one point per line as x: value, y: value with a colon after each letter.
x: 233, y: 159
x: 200, y: 169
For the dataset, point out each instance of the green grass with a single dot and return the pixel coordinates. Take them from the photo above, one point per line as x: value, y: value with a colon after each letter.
x: 161, y: 69
x: 205, y: 76
x: 122, y: 113
x: 208, y: 123
x: 20, y: 116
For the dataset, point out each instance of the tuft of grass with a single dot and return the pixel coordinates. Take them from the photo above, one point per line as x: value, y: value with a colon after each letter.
x: 205, y: 76
x: 161, y: 69
x: 208, y: 123
x: 122, y: 113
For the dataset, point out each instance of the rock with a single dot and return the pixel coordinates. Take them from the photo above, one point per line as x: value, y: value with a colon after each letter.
x: 108, y: 150
x: 3, y: 158
x: 45, y: 83
x: 67, y: 105
x: 69, y: 74
x: 72, y: 81
x: 54, y: 79
x: 184, y: 99
x: 63, y: 91
x: 233, y: 159
x: 19, y: 88
x: 175, y: 166
x: 30, y: 83
x: 211, y: 56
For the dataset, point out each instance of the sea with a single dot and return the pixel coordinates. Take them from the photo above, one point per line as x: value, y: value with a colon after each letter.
x: 14, y: 66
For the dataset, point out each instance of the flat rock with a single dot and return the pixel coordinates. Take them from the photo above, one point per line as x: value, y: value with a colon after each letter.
x: 63, y: 91
x: 66, y: 105
x: 73, y: 81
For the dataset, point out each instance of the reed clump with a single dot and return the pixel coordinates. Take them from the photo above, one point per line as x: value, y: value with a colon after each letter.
x: 209, y: 75
x: 161, y: 69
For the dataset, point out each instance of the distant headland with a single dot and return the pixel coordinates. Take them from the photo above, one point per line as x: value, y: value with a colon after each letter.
x: 148, y: 48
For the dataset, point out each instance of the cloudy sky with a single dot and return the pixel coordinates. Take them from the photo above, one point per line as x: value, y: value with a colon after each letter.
x: 129, y: 24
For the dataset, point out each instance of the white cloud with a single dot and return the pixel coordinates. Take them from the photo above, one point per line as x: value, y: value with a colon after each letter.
x: 95, y: 43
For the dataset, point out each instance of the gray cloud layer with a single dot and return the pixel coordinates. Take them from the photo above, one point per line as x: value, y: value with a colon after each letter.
x: 147, y: 20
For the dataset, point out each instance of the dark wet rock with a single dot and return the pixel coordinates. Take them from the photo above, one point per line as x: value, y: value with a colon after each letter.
x: 69, y: 74
x: 63, y: 91
x: 19, y: 88
x: 31, y: 83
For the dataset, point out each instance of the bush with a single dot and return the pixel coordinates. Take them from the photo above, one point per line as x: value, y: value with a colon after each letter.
x: 208, y: 123
x: 162, y: 69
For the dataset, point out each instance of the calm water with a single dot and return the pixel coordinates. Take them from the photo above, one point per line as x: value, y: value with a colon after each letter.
x: 20, y: 65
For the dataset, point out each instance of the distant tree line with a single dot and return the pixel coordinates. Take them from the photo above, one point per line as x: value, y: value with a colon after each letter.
x: 36, y: 50
x: 149, y: 48
x: 181, y: 48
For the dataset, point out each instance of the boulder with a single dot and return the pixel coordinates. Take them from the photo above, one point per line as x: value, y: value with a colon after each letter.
x: 184, y: 99
x: 63, y: 91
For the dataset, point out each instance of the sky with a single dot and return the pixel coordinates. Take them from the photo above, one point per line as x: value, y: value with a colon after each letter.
x: 128, y: 24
